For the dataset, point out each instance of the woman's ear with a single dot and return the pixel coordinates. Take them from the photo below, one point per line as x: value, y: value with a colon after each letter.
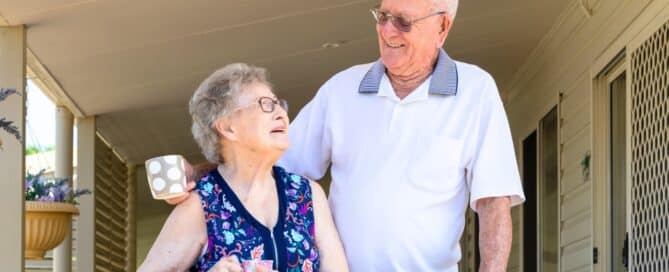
x: 225, y: 128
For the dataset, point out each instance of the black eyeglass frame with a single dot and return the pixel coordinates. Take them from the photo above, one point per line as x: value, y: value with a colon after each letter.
x: 267, y: 105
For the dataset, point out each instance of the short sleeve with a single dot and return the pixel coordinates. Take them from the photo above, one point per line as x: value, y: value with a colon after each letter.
x: 310, y: 148
x: 493, y: 171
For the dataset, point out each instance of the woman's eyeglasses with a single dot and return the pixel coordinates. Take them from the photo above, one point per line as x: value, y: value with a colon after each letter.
x: 267, y: 105
x: 401, y: 23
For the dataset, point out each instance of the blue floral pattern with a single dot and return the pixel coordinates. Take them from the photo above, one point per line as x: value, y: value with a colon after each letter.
x: 231, y: 230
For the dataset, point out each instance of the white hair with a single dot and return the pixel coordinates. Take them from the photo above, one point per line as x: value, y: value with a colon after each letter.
x: 213, y: 98
x: 450, y: 6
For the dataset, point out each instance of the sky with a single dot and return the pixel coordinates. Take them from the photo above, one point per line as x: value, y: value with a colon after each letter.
x: 40, y: 119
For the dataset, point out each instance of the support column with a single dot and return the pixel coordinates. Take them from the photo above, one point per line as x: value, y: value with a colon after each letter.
x: 62, y: 255
x: 12, y: 160
x: 86, y: 179
x: 131, y: 228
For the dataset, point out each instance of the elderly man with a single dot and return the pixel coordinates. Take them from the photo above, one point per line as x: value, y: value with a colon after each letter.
x: 410, y: 138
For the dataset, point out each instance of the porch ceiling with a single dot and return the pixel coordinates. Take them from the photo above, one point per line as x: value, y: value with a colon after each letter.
x: 136, y: 63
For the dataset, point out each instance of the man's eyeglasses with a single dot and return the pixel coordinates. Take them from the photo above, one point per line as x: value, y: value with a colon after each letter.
x: 267, y: 104
x: 401, y: 23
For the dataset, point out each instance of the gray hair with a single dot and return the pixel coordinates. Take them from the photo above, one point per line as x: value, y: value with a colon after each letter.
x: 451, y: 7
x: 213, y: 98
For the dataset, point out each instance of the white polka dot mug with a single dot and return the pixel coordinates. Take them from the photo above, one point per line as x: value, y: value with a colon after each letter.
x: 166, y: 176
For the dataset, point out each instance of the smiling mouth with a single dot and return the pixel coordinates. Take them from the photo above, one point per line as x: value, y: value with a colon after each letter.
x: 393, y: 45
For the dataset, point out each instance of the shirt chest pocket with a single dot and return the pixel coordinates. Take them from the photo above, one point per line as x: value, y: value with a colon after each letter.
x: 435, y: 164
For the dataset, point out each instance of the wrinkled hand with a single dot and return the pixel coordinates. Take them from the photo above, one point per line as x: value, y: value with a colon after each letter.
x: 227, y: 264
x: 260, y: 268
x: 191, y: 181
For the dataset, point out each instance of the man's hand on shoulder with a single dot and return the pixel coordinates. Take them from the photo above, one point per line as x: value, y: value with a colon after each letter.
x: 193, y: 174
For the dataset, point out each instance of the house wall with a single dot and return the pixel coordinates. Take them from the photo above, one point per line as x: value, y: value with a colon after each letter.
x: 148, y: 228
x: 560, y: 71
x: 151, y: 215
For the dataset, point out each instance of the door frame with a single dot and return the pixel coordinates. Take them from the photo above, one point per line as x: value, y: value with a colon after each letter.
x: 538, y: 131
x: 541, y: 183
x: 601, y: 156
x: 650, y: 19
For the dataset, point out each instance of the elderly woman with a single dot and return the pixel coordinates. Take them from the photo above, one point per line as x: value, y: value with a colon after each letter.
x: 247, y: 209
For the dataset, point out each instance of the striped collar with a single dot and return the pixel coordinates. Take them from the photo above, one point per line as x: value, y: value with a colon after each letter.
x: 444, y: 78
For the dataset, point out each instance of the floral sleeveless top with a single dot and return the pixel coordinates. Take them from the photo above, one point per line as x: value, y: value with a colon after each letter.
x: 232, y: 230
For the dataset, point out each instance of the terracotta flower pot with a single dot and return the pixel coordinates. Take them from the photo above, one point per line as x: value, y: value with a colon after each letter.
x: 46, y: 224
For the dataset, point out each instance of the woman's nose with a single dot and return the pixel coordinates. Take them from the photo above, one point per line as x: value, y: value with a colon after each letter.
x: 280, y: 114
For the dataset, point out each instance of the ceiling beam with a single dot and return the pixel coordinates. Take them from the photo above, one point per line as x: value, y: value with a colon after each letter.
x: 41, y: 76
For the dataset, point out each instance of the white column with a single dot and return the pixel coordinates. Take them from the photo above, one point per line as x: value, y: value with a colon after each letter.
x: 62, y: 255
x: 131, y: 228
x: 12, y: 166
x: 86, y: 179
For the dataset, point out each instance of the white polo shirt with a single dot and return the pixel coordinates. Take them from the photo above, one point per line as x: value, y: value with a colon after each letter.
x: 402, y: 170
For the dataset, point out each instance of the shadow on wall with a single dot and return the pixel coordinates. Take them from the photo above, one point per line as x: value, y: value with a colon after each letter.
x: 151, y: 215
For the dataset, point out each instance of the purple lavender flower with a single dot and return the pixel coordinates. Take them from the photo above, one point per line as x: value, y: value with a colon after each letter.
x: 47, y: 198
x: 40, y: 188
x: 40, y: 180
x: 58, y: 193
x: 28, y: 184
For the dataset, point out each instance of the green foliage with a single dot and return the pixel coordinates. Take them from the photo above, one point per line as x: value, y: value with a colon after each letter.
x: 31, y: 150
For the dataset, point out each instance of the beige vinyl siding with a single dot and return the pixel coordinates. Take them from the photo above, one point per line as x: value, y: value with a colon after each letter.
x: 575, y: 188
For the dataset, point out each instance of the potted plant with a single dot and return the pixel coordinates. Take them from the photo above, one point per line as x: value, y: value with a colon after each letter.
x: 50, y: 205
x: 5, y: 124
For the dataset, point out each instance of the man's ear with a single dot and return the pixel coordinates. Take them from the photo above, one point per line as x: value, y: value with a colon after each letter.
x: 446, y: 24
x: 225, y: 128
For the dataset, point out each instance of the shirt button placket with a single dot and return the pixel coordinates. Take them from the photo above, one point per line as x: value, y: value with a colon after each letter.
x: 398, y: 116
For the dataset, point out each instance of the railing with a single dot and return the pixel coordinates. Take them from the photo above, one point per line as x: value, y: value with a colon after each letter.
x: 40, y: 265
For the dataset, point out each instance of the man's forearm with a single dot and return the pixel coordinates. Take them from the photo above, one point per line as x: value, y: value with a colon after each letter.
x: 495, y: 234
